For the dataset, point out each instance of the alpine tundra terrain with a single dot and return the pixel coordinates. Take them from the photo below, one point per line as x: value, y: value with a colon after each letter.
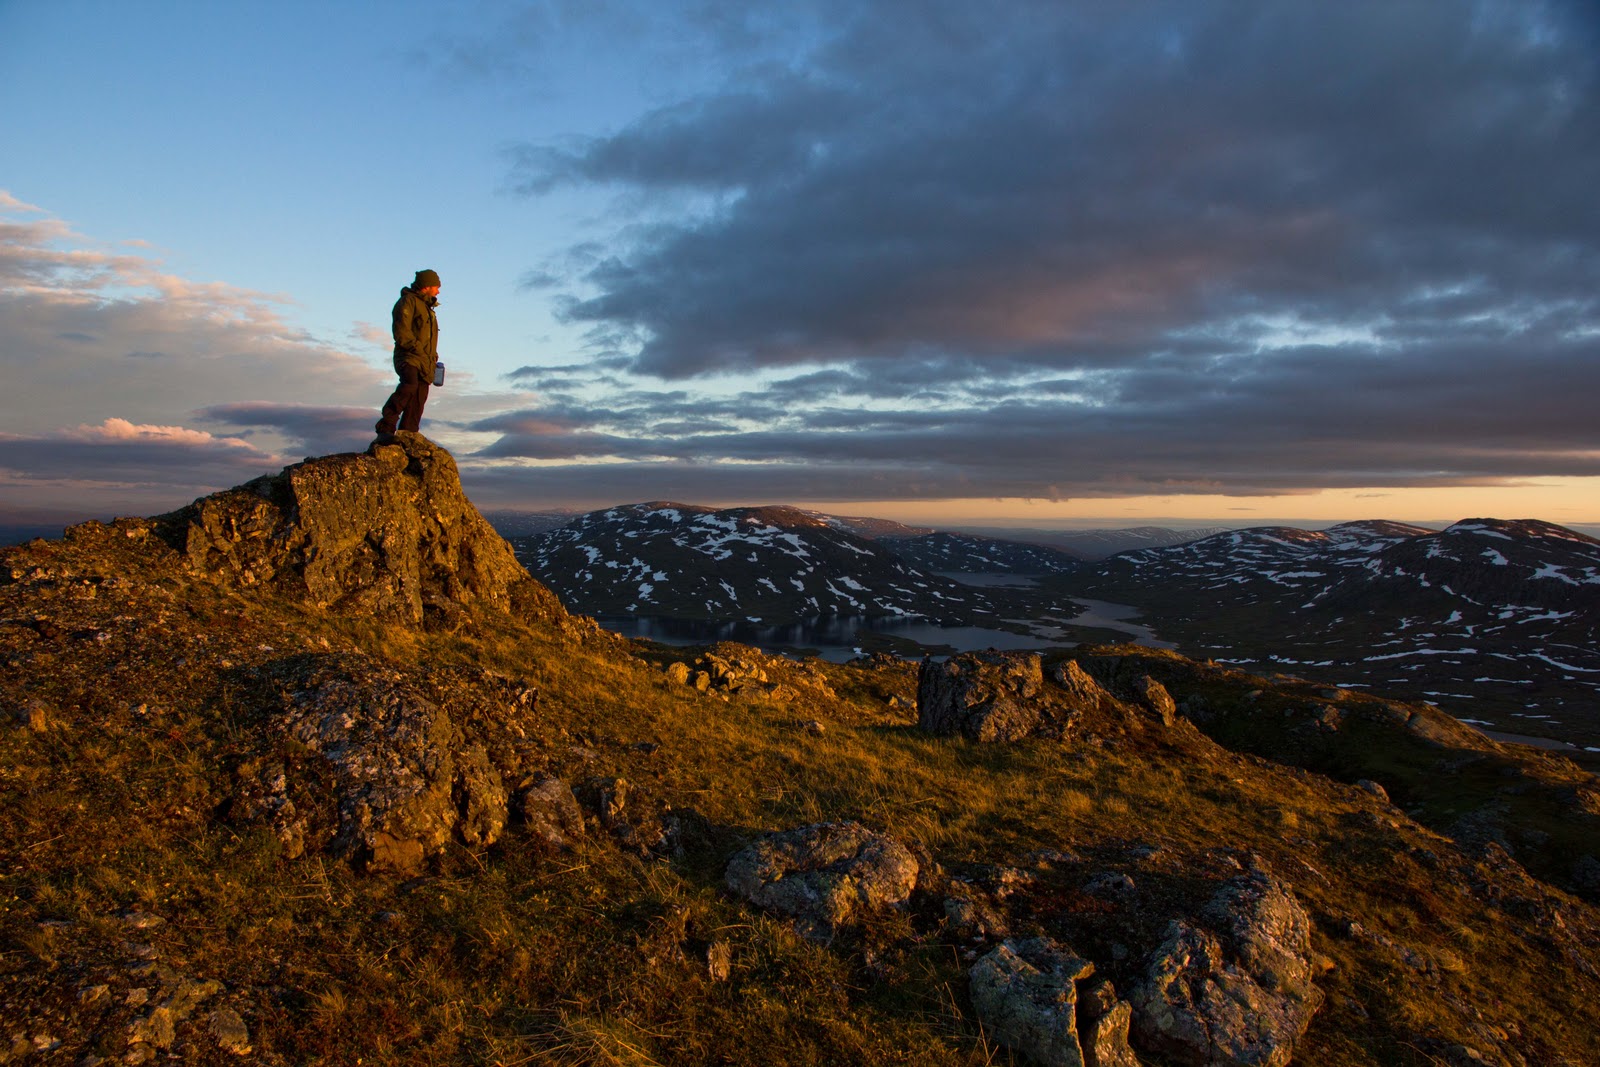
x: 312, y: 771
x: 1496, y: 621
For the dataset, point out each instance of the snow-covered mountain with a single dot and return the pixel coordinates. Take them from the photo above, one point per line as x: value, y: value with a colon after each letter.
x: 772, y: 563
x: 969, y: 552
x: 1273, y: 558
x: 1498, y: 619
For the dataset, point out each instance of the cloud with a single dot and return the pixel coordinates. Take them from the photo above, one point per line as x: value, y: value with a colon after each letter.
x: 121, y: 453
x: 314, y: 429
x: 1088, y: 249
x: 109, y: 359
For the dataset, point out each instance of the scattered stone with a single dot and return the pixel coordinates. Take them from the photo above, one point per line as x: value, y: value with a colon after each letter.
x: 719, y: 960
x: 1025, y: 993
x: 1110, y: 884
x: 632, y: 821
x: 973, y: 913
x: 1154, y: 696
x: 550, y: 810
x: 1374, y: 788
x: 137, y: 998
x: 826, y: 875
x: 1081, y: 689
x: 678, y: 672
x: 812, y: 726
x: 158, y: 1028
x: 227, y: 1026
x: 93, y: 994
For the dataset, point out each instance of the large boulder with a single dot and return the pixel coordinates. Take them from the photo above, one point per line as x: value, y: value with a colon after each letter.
x: 388, y: 534
x: 825, y: 876
x: 373, y: 769
x: 1236, y: 990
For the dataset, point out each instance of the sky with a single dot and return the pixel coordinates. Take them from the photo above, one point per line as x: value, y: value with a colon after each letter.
x: 1038, y: 262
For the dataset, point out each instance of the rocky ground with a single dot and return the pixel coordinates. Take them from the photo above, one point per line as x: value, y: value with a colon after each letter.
x: 313, y: 772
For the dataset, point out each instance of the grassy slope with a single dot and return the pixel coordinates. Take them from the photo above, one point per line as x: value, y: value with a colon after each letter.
x: 503, y: 955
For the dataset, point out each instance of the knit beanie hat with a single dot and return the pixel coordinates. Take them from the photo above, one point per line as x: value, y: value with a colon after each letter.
x: 425, y: 278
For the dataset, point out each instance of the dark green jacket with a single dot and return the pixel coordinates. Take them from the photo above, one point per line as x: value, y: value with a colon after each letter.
x: 416, y: 333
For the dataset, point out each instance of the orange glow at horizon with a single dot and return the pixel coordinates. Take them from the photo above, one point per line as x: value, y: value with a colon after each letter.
x: 1564, y: 501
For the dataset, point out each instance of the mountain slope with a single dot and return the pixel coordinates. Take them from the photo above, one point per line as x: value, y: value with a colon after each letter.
x: 253, y: 807
x: 1497, y: 620
x: 771, y: 563
x: 970, y: 553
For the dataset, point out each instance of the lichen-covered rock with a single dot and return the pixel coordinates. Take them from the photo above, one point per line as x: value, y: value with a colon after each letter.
x: 388, y: 534
x: 384, y: 776
x: 1237, y: 993
x: 551, y: 814
x: 1025, y: 993
x: 1080, y: 689
x: 1154, y: 697
x: 972, y: 912
x: 1103, y: 1022
x: 826, y: 875
x: 982, y: 696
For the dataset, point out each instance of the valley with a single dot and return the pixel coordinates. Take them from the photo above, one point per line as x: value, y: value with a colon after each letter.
x: 1494, y: 621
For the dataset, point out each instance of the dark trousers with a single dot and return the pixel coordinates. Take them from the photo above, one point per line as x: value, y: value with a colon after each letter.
x: 403, y: 410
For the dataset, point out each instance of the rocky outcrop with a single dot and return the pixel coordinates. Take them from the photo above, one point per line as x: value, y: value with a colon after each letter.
x: 369, y: 765
x: 1003, y: 696
x: 982, y: 696
x: 727, y: 669
x: 1236, y: 987
x: 387, y: 534
x: 825, y: 876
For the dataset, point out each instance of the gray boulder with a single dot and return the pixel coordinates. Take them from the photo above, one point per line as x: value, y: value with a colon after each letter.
x: 1026, y: 994
x: 551, y: 814
x: 1237, y: 990
x: 982, y: 696
x: 826, y: 876
x: 386, y: 778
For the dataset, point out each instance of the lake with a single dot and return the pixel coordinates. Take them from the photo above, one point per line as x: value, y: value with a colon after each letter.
x: 837, y: 638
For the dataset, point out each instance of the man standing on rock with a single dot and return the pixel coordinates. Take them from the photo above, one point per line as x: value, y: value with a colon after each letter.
x: 416, y: 354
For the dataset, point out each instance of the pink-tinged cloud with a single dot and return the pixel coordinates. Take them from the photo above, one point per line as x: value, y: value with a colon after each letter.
x: 89, y: 333
x: 114, y: 431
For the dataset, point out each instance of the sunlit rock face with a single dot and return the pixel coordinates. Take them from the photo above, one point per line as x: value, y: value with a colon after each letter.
x: 386, y: 533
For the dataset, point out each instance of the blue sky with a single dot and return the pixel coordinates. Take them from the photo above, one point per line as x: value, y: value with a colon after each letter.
x: 1046, y: 262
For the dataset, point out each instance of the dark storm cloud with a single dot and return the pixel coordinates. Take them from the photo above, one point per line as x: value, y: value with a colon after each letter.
x: 1083, y: 248
x: 1070, y: 184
